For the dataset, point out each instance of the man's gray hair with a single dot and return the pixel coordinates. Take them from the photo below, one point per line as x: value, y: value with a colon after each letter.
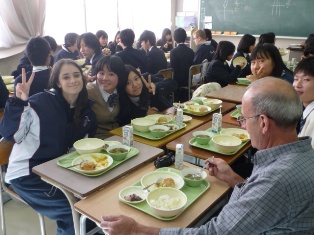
x: 280, y: 103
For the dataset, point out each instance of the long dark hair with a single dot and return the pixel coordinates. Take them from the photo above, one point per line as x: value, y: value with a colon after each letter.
x: 224, y: 49
x: 82, y: 98
x: 144, y: 96
x: 245, y: 42
x: 165, y: 32
x: 270, y: 51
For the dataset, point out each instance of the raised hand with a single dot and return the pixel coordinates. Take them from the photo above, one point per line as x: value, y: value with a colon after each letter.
x: 22, y: 89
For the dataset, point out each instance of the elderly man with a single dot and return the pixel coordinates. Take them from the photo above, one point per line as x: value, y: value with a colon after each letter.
x: 278, y: 198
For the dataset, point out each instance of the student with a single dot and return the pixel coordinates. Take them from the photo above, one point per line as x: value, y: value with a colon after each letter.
x: 38, y: 53
x: 209, y: 39
x: 278, y: 197
x: 27, y: 64
x: 219, y: 70
x: 4, y: 94
x: 103, y: 40
x: 165, y: 43
x: 129, y: 55
x: 267, y: 61
x: 308, y: 51
x: 203, y: 51
x: 69, y: 48
x: 114, y: 46
x: 44, y: 127
x: 304, y: 85
x: 89, y: 47
x: 267, y: 38
x: 111, y: 78
x: 156, y: 59
x: 139, y: 99
x: 181, y: 59
x: 245, y: 47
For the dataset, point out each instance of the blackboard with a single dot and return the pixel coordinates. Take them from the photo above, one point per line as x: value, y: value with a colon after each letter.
x: 283, y: 17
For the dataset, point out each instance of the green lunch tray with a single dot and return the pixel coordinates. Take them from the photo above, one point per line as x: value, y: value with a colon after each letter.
x: 66, y: 161
x: 192, y: 194
x: 148, y: 135
x: 236, y: 114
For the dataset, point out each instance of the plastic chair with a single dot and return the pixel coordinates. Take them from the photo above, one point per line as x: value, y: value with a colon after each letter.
x: 5, y: 150
x: 167, y: 73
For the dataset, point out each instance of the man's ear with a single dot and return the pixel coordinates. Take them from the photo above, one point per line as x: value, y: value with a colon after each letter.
x: 264, y: 123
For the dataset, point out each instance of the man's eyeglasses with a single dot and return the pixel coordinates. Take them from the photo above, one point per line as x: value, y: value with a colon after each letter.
x: 242, y: 120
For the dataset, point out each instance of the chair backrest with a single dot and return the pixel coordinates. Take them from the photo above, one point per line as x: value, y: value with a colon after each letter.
x: 5, y: 151
x: 194, y: 70
x: 166, y: 73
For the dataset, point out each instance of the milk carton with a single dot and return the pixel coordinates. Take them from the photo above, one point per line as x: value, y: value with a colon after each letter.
x: 127, y: 132
x: 179, y: 117
x: 178, y: 163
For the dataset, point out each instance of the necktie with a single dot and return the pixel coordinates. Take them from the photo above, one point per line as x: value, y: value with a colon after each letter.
x: 113, y: 100
x: 301, y: 124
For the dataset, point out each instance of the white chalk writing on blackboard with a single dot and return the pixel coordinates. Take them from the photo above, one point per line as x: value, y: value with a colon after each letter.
x: 278, y: 4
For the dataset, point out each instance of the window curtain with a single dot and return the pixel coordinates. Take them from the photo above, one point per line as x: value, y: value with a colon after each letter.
x: 21, y: 20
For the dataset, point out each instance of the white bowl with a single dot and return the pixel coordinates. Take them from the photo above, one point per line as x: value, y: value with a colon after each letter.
x: 80, y: 62
x: 142, y: 124
x: 212, y: 103
x: 166, y: 202
x: 137, y: 190
x: 110, y: 143
x: 160, y: 118
x: 226, y: 143
x: 7, y: 79
x: 97, y: 158
x: 242, y: 134
x: 88, y: 145
x: 152, y: 177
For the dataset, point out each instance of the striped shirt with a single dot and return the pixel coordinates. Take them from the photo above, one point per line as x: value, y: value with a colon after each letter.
x: 278, y: 198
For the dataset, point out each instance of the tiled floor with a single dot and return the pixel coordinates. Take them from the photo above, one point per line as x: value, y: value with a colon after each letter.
x: 20, y: 219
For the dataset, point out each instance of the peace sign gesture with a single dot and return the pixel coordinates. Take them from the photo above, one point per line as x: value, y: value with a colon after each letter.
x: 22, y: 89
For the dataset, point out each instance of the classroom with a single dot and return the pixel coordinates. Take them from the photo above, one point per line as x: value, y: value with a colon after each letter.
x: 168, y: 117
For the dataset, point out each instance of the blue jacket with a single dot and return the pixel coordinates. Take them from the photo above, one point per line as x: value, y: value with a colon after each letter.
x: 42, y: 129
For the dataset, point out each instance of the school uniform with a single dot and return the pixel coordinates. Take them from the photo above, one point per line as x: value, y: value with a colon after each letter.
x: 247, y: 69
x: 65, y: 53
x: 156, y: 60
x: 203, y: 51
x: 134, y: 57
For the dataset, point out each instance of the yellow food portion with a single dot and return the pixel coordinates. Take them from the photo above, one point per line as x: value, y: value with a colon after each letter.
x: 101, y: 161
x: 168, y: 182
x: 162, y: 119
x: 240, y: 136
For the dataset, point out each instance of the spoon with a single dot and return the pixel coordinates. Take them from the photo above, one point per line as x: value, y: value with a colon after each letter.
x: 76, y: 164
x: 157, y: 182
x: 199, y: 174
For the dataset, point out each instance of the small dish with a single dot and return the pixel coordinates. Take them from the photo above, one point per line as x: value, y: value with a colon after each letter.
x: 177, y: 105
x: 152, y: 177
x: 96, y: 158
x: 186, y: 118
x: 137, y: 190
x: 172, y: 127
x: 238, y: 60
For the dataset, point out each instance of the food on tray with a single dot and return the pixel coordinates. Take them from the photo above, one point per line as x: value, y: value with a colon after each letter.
x: 101, y: 161
x: 87, y: 166
x: 241, y: 136
x: 203, y: 109
x: 193, y: 177
x: 133, y: 198
x: 106, y: 146
x: 158, y: 130
x: 167, y: 182
x: 165, y: 202
x: 162, y: 120
x: 118, y: 150
x: 172, y: 127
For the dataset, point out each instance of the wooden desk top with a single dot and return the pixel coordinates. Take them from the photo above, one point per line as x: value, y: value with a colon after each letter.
x: 83, y: 185
x: 202, y: 153
x: 230, y: 120
x: 230, y: 93
x: 106, y: 202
